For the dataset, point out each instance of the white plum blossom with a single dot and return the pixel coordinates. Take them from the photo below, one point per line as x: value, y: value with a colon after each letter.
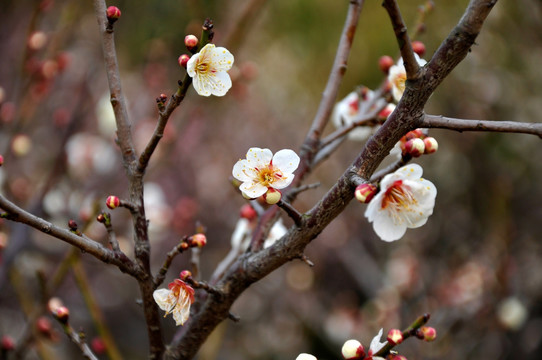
x: 304, y: 356
x: 405, y: 200
x: 175, y: 300
x: 242, y: 234
x: 209, y: 70
x: 375, y: 346
x: 351, y: 109
x: 261, y: 171
x: 397, y: 77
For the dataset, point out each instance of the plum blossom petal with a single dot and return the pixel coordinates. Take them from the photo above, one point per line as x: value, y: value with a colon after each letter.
x: 261, y: 171
x: 208, y: 70
x: 397, y: 77
x: 405, y: 200
x: 376, y: 345
x: 176, y: 300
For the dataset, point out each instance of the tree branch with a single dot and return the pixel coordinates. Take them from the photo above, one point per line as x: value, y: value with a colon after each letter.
x: 442, y: 122
x: 400, y: 29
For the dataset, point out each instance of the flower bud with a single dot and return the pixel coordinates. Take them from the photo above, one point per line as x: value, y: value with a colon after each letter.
x: 162, y: 98
x: 112, y: 202
x: 248, y: 212
x: 100, y: 218
x: 365, y: 192
x: 113, y: 14
x: 418, y: 47
x: 352, y: 349
x: 21, y: 145
x: 414, y: 147
x: 191, y: 42
x: 431, y: 145
x: 1, y: 160
x: 384, y: 113
x: 72, y: 225
x: 185, y: 274
x: 54, y: 303
x: 395, y: 336
x: 199, y: 240
x: 7, y: 343
x: 429, y: 333
x: 44, y: 326
x: 183, y: 60
x: 37, y: 40
x: 184, y: 246
x: 418, y: 133
x: 304, y: 356
x: 62, y: 314
x: 272, y: 196
x: 98, y: 346
x: 385, y: 63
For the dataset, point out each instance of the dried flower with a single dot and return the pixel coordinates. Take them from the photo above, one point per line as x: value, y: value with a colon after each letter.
x: 175, y: 300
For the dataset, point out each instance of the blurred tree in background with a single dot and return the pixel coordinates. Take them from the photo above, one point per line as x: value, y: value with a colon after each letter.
x: 475, y: 266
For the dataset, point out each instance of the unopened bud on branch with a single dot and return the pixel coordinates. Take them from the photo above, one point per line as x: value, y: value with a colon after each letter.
x: 352, y: 349
x: 191, y: 42
x: 113, y: 14
x: 62, y: 314
x: 431, y: 145
x: 272, y: 196
x: 395, y: 336
x: 183, y: 60
x: 199, y: 240
x: 385, y: 63
x: 365, y: 192
x: 7, y: 343
x: 415, y: 147
x: 418, y: 47
x: 185, y: 274
x: 429, y: 333
x: 112, y: 202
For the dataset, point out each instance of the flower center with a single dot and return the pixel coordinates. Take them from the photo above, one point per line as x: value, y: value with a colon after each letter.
x: 202, y: 67
x: 398, y: 197
x: 399, y: 81
x: 268, y: 175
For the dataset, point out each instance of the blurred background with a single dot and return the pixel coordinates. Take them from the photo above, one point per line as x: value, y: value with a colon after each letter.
x: 476, y: 266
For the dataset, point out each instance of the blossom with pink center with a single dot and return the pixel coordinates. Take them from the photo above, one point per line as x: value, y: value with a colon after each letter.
x: 209, y: 70
x: 261, y: 170
x: 175, y: 300
x: 405, y: 200
x: 397, y: 77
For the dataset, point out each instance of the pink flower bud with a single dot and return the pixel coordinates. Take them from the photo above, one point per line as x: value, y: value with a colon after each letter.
x: 184, y: 246
x: 62, y: 314
x: 72, y: 224
x: 248, y: 212
x: 418, y: 133
x: 415, y: 147
x: 185, y: 274
x: 352, y: 349
x: 418, y: 47
x: 7, y: 343
x: 113, y: 13
x: 1, y: 160
x: 431, y: 145
x: 429, y: 333
x: 44, y: 326
x: 183, y: 60
x: 98, y: 346
x: 272, y: 196
x: 163, y: 98
x: 54, y: 303
x: 395, y: 336
x: 365, y: 192
x: 385, y: 63
x: 199, y: 240
x: 37, y: 40
x: 112, y: 202
x: 191, y: 42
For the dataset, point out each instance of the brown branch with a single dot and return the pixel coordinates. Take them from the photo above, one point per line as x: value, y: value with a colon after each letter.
x: 15, y: 213
x: 118, y: 101
x: 400, y: 29
x: 79, y: 341
x: 408, y: 332
x: 442, y: 122
x: 291, y: 211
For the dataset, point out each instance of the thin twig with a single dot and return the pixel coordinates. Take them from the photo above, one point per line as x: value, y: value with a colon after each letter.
x: 408, y: 332
x: 79, y: 340
x: 291, y: 211
x: 159, y: 279
x: 400, y: 29
x: 442, y: 122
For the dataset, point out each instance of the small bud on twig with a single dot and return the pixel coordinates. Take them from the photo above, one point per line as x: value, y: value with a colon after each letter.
x: 112, y: 202
x: 385, y: 63
x: 395, y: 336
x: 191, y: 43
x: 62, y: 314
x: 113, y: 14
x: 183, y: 60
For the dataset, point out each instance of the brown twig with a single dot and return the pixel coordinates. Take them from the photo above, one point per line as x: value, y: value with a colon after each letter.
x: 291, y: 211
x: 400, y: 29
x: 408, y: 332
x: 442, y: 122
x: 79, y: 340
x: 178, y: 249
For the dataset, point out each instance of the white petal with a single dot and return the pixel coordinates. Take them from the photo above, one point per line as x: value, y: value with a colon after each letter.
x: 191, y: 65
x: 201, y: 85
x: 252, y: 189
x: 257, y: 157
x: 387, y: 227
x: 286, y: 160
x: 220, y: 83
x: 376, y: 345
x: 285, y: 181
x: 243, y: 172
x: 162, y: 298
x: 182, y: 310
x: 222, y: 59
x: 411, y: 171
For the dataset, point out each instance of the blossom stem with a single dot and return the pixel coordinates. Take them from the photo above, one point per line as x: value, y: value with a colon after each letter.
x: 409, y: 60
x: 291, y: 211
x: 409, y: 331
x: 159, y: 279
x: 203, y: 285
